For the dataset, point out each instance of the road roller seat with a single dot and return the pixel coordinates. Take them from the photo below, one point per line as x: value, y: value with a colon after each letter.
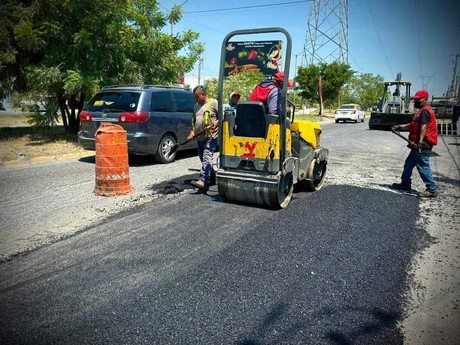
x: 251, y: 120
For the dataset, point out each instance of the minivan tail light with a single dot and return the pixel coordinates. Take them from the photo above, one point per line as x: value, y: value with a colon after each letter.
x: 85, y: 116
x: 133, y: 117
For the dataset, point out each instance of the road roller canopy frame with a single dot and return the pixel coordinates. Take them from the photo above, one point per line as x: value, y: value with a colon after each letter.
x: 262, y: 156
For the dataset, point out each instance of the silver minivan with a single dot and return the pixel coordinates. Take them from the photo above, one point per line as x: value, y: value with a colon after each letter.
x: 154, y: 117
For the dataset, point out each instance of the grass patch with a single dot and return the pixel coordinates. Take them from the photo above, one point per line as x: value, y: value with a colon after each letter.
x: 312, y: 118
x: 30, y: 142
x: 37, y: 136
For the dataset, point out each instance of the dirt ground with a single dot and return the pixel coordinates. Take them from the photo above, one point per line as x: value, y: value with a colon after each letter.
x: 19, y: 142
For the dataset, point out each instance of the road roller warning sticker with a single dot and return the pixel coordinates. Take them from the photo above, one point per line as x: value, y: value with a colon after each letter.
x: 250, y: 148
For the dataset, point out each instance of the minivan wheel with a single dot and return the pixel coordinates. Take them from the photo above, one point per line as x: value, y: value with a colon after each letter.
x: 164, y: 148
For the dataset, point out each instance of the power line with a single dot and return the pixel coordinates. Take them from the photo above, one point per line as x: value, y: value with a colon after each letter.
x: 179, y: 5
x: 379, y: 39
x: 247, y: 7
x: 417, y: 20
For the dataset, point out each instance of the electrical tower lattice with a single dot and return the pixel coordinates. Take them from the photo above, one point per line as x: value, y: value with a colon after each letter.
x: 326, y: 39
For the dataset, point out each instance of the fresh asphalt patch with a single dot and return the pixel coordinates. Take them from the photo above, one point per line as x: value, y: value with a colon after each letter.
x: 308, y: 274
x: 174, y: 186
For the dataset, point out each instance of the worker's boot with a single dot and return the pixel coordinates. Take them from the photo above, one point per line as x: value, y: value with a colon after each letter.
x: 401, y: 186
x: 199, y: 184
x: 428, y: 194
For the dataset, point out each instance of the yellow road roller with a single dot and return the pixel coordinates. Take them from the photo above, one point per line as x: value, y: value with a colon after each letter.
x: 262, y: 156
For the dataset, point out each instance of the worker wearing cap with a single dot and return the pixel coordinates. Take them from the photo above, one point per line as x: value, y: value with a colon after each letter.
x: 423, y: 135
x: 269, y: 93
x: 232, y: 101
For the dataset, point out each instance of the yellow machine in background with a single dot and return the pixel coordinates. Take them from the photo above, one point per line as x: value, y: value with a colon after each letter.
x: 262, y: 156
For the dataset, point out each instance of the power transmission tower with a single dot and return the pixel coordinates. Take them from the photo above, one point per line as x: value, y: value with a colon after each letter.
x: 425, y: 81
x: 452, y: 90
x: 326, y: 38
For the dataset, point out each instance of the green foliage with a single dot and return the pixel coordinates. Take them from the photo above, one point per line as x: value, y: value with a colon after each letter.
x: 333, y: 75
x: 47, y: 118
x: 68, y: 49
x: 243, y: 82
x: 175, y: 14
x: 76, y: 83
x: 307, y: 83
x: 45, y: 80
x: 15, y: 100
x: 28, y: 37
x: 13, y: 56
x: 364, y: 89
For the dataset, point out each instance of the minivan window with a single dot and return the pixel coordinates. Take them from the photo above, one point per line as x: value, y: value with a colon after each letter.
x: 161, y: 101
x: 184, y: 102
x: 113, y: 100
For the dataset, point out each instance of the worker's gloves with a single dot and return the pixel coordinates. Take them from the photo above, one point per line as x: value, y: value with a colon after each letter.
x: 412, y: 145
x: 423, y: 146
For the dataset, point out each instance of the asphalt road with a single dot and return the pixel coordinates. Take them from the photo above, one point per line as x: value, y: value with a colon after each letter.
x: 332, y: 268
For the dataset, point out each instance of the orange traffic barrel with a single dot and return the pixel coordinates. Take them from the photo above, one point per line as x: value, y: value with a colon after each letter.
x: 112, y: 167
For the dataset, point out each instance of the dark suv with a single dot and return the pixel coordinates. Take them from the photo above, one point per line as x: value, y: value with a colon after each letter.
x: 154, y: 117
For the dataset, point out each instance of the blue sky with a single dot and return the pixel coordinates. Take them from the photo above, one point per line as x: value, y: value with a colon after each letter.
x: 419, y: 38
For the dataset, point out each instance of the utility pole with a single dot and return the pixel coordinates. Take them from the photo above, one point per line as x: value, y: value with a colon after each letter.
x: 295, y: 76
x: 200, y: 61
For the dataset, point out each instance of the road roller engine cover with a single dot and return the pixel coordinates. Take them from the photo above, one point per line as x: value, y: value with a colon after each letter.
x: 262, y: 156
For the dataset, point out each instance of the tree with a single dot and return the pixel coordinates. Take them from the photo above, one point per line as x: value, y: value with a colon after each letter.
x: 364, y: 89
x: 333, y: 76
x: 77, y: 46
x: 243, y: 82
x: 16, y: 55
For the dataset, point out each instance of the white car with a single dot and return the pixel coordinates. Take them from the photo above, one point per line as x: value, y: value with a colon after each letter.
x: 349, y: 112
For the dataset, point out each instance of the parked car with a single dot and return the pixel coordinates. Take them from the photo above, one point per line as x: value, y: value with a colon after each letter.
x: 349, y: 112
x: 154, y: 117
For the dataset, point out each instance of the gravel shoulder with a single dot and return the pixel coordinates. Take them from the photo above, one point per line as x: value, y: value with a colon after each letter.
x: 433, y: 315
